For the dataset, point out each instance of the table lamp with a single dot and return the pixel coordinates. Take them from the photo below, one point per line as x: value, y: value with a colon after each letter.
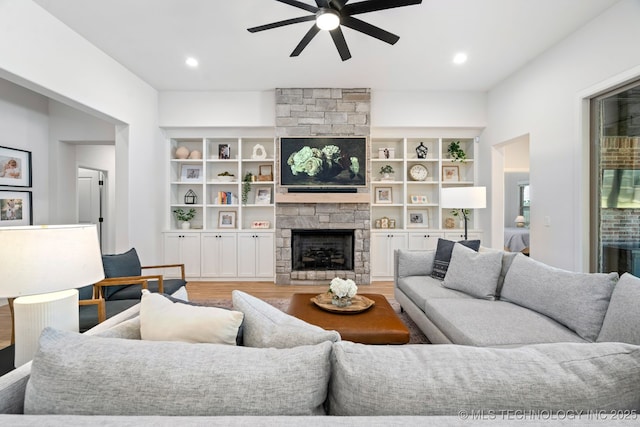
x: 463, y: 198
x: 520, y: 221
x: 42, y: 267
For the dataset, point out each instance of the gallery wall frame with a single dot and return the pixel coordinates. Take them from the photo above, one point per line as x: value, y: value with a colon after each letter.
x: 15, y: 167
x: 15, y: 208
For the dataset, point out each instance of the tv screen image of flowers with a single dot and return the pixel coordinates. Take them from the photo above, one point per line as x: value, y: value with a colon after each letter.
x: 323, y: 162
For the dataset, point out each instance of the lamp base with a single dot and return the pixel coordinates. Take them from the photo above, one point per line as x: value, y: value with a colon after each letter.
x: 36, y: 312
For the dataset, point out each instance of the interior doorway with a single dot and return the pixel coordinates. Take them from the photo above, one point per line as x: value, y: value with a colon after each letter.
x: 92, y: 200
x: 517, y: 196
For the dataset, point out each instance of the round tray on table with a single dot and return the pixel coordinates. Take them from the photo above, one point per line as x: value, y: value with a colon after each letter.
x: 359, y: 304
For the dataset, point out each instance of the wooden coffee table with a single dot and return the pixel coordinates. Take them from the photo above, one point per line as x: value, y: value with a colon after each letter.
x: 378, y: 325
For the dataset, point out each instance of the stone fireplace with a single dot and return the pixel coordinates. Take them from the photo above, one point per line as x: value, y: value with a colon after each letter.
x: 323, y: 112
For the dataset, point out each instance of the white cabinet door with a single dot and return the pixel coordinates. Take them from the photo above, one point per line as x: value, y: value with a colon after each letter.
x: 459, y: 235
x: 183, y: 248
x: 382, y: 247
x: 219, y: 255
x: 256, y: 255
x: 424, y: 241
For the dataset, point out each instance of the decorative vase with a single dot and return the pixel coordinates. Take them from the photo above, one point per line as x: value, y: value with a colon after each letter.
x: 386, y: 176
x: 182, y: 153
x: 341, y: 301
x: 186, y: 225
x: 461, y: 223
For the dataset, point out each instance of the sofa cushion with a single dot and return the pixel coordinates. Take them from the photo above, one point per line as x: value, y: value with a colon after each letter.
x: 577, y: 300
x: 449, y: 379
x: 164, y: 320
x: 129, y: 329
x: 169, y: 286
x: 474, y: 273
x: 443, y: 255
x: 494, y: 323
x: 120, y: 265
x: 421, y: 288
x: 622, y: 321
x: 414, y: 263
x: 266, y: 326
x: 507, y: 259
x: 88, y: 375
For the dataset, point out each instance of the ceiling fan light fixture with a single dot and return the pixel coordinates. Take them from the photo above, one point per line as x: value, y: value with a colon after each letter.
x: 327, y: 19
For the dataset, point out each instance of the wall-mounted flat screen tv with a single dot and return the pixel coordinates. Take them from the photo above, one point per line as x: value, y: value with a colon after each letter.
x: 621, y: 188
x: 323, y: 162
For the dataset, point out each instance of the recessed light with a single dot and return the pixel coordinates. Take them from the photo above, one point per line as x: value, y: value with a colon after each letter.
x: 191, y: 62
x: 460, y: 58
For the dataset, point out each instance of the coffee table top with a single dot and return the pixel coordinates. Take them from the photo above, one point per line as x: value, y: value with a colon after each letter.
x: 378, y: 325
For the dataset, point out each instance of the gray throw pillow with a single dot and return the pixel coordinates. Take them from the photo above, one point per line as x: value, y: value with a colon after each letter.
x: 266, y: 326
x: 474, y: 273
x: 75, y: 374
x: 443, y: 255
x: 579, y: 301
x: 622, y: 321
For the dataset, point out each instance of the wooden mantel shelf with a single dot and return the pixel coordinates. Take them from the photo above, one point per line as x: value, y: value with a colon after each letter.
x: 323, y: 197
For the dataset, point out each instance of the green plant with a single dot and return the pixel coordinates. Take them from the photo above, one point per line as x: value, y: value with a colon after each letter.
x: 182, y: 215
x: 460, y: 212
x: 246, y: 187
x: 225, y: 173
x: 386, y: 169
x: 456, y: 152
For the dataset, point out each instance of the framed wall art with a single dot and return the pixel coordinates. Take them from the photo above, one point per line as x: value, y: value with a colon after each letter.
x: 384, y: 195
x: 15, y: 167
x: 418, y: 218
x: 227, y: 219
x: 191, y: 173
x: 15, y: 208
x: 450, y: 174
x: 263, y: 196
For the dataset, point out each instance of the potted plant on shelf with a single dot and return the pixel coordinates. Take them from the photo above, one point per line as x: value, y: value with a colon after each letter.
x: 456, y: 152
x: 461, y: 214
x: 386, y: 171
x: 246, y: 187
x: 185, y: 216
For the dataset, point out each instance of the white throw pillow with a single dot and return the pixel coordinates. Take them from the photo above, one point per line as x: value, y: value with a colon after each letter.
x: 164, y: 320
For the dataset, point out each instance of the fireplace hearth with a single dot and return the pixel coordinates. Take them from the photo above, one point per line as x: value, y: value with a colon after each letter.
x: 322, y: 250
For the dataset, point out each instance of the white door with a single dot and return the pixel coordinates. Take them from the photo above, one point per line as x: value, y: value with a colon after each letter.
x: 90, y: 199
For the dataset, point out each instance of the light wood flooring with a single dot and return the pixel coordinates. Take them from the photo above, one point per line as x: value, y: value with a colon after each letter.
x: 199, y: 291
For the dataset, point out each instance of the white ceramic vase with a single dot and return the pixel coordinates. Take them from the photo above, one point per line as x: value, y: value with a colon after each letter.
x: 186, y: 225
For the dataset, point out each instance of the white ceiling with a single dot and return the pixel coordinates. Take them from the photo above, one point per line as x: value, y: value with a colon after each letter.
x: 152, y: 38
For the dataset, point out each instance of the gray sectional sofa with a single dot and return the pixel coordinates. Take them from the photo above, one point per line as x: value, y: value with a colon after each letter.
x: 492, y: 298
x: 293, y: 373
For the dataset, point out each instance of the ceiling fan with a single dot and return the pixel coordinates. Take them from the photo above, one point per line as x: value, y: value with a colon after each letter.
x: 330, y: 14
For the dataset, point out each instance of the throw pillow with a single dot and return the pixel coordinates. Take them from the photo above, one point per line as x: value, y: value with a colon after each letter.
x: 76, y: 374
x: 622, y: 321
x: 266, y: 326
x: 579, y: 301
x: 474, y: 273
x: 163, y: 320
x: 120, y: 265
x: 443, y: 255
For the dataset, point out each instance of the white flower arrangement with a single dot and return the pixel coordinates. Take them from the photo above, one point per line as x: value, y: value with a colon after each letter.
x: 343, y: 288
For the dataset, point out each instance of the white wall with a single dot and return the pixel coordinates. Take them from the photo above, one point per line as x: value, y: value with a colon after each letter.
x: 38, y: 52
x: 543, y: 101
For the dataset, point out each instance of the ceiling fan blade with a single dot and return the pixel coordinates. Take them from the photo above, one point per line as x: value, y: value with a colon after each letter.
x: 300, y: 5
x: 370, y: 30
x: 341, y: 43
x: 374, y: 5
x: 282, y: 23
x: 322, y: 3
x: 305, y: 40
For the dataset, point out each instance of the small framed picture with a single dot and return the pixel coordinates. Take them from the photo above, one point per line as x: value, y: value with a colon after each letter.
x: 263, y: 196
x: 224, y: 151
x: 418, y: 219
x: 15, y: 167
x: 384, y: 195
x: 450, y: 173
x: 227, y: 219
x: 191, y: 173
x: 419, y: 199
x: 15, y: 208
x: 265, y: 173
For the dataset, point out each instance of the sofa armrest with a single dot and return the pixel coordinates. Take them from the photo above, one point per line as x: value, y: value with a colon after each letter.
x: 180, y: 266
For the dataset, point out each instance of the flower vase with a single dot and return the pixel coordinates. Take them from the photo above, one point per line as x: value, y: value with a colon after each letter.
x: 341, y: 301
x: 186, y: 225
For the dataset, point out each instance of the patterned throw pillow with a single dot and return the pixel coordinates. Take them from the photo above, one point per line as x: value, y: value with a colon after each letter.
x: 443, y: 255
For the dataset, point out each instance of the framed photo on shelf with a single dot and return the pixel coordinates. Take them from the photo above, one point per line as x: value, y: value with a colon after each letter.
x: 191, y: 173
x: 418, y: 218
x: 265, y: 173
x: 450, y: 174
x: 384, y: 195
x: 227, y: 219
x: 419, y: 199
x: 15, y: 208
x: 15, y: 167
x: 263, y: 196
x: 224, y: 151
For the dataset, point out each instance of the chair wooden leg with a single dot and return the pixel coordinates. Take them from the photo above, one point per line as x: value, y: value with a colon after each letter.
x: 13, y: 322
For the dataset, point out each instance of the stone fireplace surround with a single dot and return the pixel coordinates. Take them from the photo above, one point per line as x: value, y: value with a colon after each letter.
x: 323, y: 112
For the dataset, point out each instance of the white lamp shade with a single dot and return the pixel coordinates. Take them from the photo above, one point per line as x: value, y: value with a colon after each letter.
x: 519, y: 218
x: 41, y: 259
x: 463, y: 198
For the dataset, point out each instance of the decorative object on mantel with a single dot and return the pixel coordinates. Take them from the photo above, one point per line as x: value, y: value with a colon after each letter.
x: 182, y: 152
x: 520, y: 221
x: 190, y: 197
x: 342, y: 290
x: 184, y: 217
x: 359, y: 303
x: 455, y: 152
x: 246, y: 186
x: 386, y: 172
x: 265, y: 173
x: 422, y: 151
x: 259, y: 153
x: 195, y: 155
